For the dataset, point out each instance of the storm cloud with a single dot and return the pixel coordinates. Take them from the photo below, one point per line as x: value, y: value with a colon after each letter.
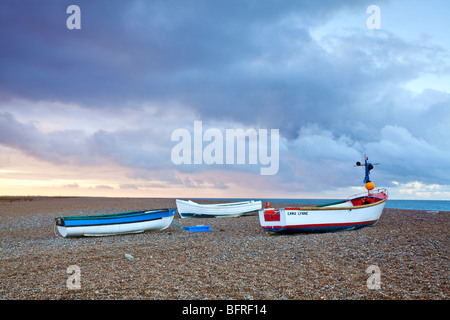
x: 137, y: 70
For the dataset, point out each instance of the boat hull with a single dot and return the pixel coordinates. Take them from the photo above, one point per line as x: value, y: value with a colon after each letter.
x: 188, y: 209
x: 122, y: 223
x: 318, y: 228
x: 337, y: 217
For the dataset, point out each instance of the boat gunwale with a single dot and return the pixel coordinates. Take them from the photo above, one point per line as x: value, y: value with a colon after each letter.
x: 114, y: 223
x: 335, y: 208
x: 118, y: 215
x: 217, y: 215
x: 225, y: 204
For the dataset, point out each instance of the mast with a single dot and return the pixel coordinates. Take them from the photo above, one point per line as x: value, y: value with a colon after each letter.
x: 367, y: 167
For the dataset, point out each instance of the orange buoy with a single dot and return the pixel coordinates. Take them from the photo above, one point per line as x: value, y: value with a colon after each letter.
x: 370, y: 185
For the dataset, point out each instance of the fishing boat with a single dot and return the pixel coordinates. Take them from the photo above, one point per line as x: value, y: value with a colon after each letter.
x: 190, y: 208
x: 356, y: 212
x: 112, y: 224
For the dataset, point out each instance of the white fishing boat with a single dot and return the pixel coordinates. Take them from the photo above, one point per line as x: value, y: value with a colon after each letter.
x: 112, y: 224
x: 189, y: 208
x: 356, y: 212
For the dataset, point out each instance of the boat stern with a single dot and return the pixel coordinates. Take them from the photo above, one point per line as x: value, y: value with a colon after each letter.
x: 61, y: 226
x: 271, y: 218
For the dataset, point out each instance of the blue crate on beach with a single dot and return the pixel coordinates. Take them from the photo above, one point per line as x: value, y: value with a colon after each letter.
x: 198, y: 228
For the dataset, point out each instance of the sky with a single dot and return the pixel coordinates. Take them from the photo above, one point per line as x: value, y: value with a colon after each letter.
x: 92, y: 111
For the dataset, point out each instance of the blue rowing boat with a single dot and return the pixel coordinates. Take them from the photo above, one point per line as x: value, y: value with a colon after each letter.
x: 112, y: 224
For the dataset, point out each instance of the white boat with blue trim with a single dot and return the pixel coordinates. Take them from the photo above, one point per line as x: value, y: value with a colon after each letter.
x: 356, y: 212
x: 113, y: 224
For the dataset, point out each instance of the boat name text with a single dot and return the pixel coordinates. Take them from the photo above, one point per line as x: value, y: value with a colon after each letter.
x: 297, y: 213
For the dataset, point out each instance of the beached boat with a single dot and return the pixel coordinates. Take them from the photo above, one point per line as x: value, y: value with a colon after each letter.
x: 193, y: 209
x: 356, y: 212
x: 112, y: 224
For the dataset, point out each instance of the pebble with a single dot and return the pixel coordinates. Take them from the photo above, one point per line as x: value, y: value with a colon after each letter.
x: 129, y: 256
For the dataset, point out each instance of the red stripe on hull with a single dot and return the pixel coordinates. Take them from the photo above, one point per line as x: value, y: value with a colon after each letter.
x: 320, y: 225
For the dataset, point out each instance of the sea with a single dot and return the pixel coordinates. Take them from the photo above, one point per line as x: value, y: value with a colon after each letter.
x: 427, y: 205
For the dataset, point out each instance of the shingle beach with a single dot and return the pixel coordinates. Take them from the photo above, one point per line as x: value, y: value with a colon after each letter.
x: 235, y: 260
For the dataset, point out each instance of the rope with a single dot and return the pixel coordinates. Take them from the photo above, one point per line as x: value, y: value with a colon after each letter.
x: 178, y: 226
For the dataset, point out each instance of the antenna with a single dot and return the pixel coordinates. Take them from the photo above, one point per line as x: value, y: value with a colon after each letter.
x: 367, y: 167
x: 366, y: 158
